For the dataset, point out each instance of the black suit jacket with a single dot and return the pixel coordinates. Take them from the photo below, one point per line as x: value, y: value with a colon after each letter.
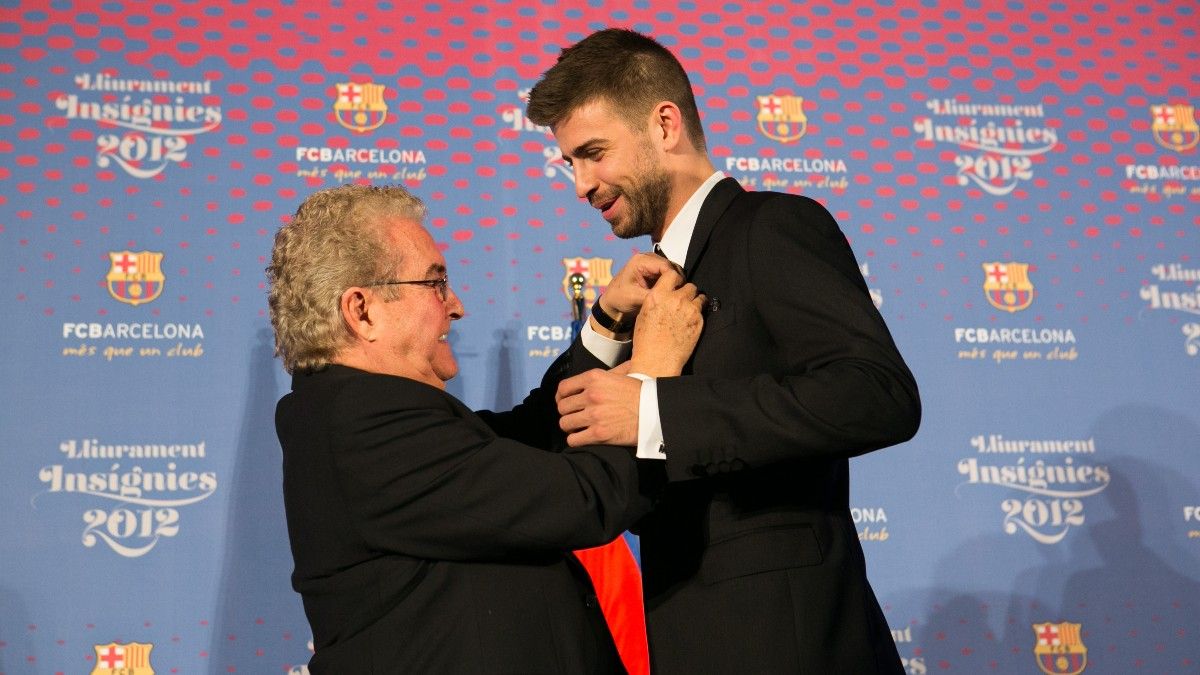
x: 751, y: 562
x: 425, y: 543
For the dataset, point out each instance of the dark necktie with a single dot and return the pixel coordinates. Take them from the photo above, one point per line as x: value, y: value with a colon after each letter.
x: 658, y: 251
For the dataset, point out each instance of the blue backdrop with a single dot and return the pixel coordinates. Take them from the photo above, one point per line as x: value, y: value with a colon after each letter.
x: 1019, y: 180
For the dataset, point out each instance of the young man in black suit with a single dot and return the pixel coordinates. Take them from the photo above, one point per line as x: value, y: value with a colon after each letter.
x: 750, y: 559
x: 428, y: 538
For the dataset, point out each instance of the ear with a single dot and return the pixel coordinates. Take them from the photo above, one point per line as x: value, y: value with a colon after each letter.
x: 668, y: 125
x: 356, y: 306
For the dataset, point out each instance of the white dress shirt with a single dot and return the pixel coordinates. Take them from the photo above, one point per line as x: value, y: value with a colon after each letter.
x: 674, y: 245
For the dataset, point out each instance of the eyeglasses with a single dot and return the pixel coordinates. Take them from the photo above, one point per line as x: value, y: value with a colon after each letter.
x: 440, y: 286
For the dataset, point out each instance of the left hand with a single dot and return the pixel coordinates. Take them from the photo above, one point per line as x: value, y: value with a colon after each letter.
x: 627, y: 289
x: 667, y: 327
x: 599, y: 406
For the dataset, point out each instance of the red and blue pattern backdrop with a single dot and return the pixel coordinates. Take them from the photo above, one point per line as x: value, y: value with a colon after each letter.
x: 1019, y: 180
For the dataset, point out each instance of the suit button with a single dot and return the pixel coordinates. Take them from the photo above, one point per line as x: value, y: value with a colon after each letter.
x: 590, y: 600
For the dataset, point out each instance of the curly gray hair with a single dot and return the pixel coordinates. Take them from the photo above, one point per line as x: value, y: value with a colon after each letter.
x: 332, y: 243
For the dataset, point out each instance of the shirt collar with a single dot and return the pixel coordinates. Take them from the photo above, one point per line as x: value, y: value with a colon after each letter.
x: 675, y: 240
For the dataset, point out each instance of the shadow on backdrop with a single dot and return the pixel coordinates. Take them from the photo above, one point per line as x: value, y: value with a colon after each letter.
x: 1137, y: 591
x: 968, y: 629
x: 14, y: 621
x: 501, y: 377
x: 256, y: 593
x: 1125, y: 575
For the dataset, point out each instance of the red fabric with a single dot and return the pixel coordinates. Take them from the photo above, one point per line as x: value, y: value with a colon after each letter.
x: 618, y: 583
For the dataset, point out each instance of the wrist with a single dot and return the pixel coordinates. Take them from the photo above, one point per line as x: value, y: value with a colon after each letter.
x: 604, y: 332
x: 617, y: 323
x: 654, y: 369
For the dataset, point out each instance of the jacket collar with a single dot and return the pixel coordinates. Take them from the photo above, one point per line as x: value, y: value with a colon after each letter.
x: 718, y: 201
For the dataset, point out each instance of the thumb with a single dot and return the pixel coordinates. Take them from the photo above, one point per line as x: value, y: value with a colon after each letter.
x: 668, y: 281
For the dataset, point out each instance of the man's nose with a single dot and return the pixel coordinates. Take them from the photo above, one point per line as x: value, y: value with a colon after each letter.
x: 584, y: 183
x: 454, y: 305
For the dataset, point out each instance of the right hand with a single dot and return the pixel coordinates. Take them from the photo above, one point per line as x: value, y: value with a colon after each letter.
x: 668, y: 327
x: 627, y: 291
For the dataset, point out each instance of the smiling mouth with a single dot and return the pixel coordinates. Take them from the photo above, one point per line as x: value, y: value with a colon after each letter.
x: 605, y: 207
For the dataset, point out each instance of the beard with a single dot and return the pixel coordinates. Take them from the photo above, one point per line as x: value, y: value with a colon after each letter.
x: 646, y: 200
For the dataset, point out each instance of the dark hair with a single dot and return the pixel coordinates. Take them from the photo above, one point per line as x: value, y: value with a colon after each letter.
x: 627, y: 69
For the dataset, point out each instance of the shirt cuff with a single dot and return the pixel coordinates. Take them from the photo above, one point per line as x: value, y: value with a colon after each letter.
x: 650, y: 435
x: 610, y: 351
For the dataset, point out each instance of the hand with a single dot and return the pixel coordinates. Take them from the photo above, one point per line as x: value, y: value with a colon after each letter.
x: 667, y: 328
x: 599, y: 406
x: 623, y: 297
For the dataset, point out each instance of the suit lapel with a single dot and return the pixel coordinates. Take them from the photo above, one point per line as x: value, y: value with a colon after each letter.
x: 722, y: 195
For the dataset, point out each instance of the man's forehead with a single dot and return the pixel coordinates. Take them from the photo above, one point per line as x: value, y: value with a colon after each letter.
x: 591, y: 112
x: 415, y: 245
x: 590, y: 127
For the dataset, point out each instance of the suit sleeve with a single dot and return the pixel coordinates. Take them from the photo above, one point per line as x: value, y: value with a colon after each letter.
x: 534, y: 421
x: 427, y: 481
x: 840, y: 387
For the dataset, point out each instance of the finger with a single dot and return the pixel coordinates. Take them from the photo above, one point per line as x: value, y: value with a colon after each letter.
x: 576, y: 384
x: 649, y: 277
x: 688, y: 290
x: 655, y: 261
x: 668, y: 281
x: 588, y: 436
x: 662, y: 256
x: 568, y: 387
x: 645, y: 268
x: 578, y: 439
x: 572, y: 423
x: 570, y: 404
x: 680, y: 296
x: 622, y: 369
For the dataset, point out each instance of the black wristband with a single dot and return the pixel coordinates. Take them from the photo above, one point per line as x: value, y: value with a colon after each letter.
x: 606, y: 321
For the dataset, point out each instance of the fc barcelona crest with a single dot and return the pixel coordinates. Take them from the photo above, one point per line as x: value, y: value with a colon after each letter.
x: 1174, y: 126
x: 1007, y: 285
x: 1059, y: 649
x: 781, y: 118
x: 360, y: 106
x: 596, y: 272
x: 124, y: 659
x: 135, y: 278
